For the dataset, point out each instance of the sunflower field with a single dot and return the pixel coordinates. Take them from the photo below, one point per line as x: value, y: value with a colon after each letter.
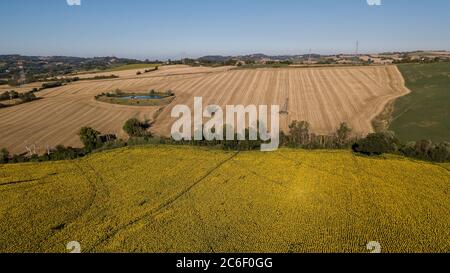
x: 184, y: 199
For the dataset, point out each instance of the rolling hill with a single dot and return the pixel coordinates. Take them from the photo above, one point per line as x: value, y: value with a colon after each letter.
x: 325, y: 97
x: 425, y: 112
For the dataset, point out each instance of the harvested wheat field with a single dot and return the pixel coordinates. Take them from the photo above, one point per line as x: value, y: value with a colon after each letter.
x: 58, y: 116
x: 20, y: 89
x: 129, y: 200
x: 323, y: 96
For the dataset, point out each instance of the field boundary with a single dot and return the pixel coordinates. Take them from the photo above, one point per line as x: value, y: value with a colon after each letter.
x: 382, y: 119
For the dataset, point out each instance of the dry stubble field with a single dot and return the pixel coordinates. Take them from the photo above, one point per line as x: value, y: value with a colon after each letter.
x: 323, y: 96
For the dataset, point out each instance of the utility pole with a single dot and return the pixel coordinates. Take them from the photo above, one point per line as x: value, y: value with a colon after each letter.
x: 309, y: 58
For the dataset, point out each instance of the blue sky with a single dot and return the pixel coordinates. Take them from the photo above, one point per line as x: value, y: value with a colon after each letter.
x: 180, y: 28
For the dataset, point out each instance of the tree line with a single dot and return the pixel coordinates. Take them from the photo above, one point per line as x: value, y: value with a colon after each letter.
x: 299, y: 137
x: 30, y: 96
x: 11, y: 95
x: 156, y: 68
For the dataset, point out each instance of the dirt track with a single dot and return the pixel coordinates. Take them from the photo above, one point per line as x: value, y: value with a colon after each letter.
x: 323, y: 96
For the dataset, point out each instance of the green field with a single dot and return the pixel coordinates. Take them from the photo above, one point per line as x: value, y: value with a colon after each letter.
x: 425, y: 113
x: 121, y: 68
x: 131, y: 67
x: 183, y: 199
x: 119, y: 99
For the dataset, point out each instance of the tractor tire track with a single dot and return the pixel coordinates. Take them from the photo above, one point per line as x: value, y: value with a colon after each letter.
x: 262, y: 176
x: 158, y: 209
x: 207, y: 241
x: 20, y: 182
x: 80, y: 213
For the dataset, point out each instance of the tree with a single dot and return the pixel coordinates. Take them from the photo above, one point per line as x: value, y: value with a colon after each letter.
x: 51, y: 84
x: 426, y: 150
x: 118, y: 92
x: 343, y: 135
x: 9, y: 95
x: 13, y: 94
x: 423, y: 149
x: 63, y: 153
x: 4, y: 156
x: 377, y: 144
x: 134, y: 128
x: 299, y: 133
x: 440, y: 152
x: 27, y: 97
x: 89, y: 138
x: 409, y: 149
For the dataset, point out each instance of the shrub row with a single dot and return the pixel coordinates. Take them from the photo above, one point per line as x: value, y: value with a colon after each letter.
x: 299, y: 137
x: 24, y: 97
x: 60, y: 82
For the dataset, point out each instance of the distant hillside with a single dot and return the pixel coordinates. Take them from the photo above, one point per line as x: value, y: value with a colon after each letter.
x: 18, y: 69
x: 258, y: 57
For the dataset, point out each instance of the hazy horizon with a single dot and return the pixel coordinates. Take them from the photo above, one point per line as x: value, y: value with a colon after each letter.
x: 245, y: 54
x: 177, y: 29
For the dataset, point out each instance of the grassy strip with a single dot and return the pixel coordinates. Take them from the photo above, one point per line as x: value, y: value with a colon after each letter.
x: 136, y: 102
x: 121, y: 98
x: 127, y: 67
x: 382, y: 122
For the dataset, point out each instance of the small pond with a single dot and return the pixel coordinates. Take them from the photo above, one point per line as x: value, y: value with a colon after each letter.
x: 149, y: 97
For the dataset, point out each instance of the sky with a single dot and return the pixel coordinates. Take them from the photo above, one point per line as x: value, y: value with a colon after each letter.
x: 161, y: 29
